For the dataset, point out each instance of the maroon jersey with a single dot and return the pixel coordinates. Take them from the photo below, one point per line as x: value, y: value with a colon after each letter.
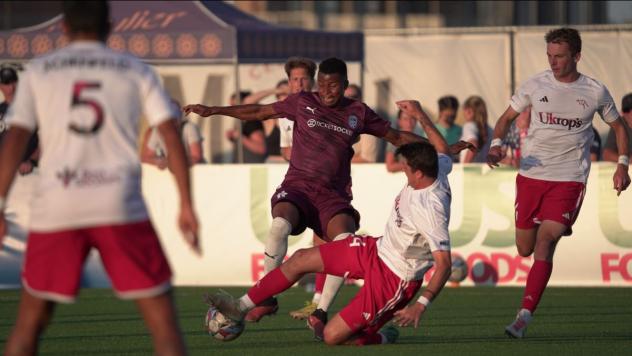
x: 323, y: 136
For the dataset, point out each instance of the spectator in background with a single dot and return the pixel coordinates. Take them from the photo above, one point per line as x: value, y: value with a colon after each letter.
x: 405, y: 122
x: 365, y: 150
x: 252, y: 136
x: 448, y: 107
x: 300, y: 73
x: 271, y: 126
x: 610, y: 152
x: 154, y: 150
x: 476, y: 130
x: 8, y: 83
x: 515, y: 139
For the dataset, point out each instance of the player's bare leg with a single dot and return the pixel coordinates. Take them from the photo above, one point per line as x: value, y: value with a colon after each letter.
x: 160, y: 317
x: 33, y: 316
x: 285, y: 216
x: 310, y: 306
x: 548, y: 235
x: 525, y: 241
x: 338, y: 228
x: 337, y: 332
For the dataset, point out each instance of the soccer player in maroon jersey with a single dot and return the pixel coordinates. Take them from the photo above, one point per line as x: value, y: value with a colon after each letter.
x: 314, y: 192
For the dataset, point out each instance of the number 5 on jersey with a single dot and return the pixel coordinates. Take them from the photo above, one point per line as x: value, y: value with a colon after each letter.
x: 77, y: 100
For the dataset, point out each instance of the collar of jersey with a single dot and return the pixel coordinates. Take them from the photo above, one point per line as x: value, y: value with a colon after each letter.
x: 86, y: 44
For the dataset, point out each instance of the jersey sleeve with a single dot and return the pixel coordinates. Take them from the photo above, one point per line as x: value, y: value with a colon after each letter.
x: 470, y: 132
x: 522, y: 98
x: 285, y: 135
x: 156, y: 104
x: 288, y: 106
x: 374, y: 124
x: 606, y: 106
x: 437, y: 233
x: 22, y: 112
x: 445, y: 164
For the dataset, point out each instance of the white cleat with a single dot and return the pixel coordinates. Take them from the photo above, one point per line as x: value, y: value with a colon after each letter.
x: 518, y: 329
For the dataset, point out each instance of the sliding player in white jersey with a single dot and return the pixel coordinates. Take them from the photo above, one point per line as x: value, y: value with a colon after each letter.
x: 555, y: 160
x: 393, y: 266
x: 86, y: 101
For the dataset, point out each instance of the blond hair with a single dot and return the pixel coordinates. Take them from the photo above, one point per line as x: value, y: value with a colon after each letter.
x: 478, y: 106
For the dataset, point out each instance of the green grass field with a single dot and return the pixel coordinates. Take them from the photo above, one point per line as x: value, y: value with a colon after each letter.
x: 463, y: 321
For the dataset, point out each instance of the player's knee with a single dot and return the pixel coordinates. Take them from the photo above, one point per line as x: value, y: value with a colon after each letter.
x: 525, y: 251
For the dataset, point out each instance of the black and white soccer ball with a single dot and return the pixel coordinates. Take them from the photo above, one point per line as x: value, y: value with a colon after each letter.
x: 221, y: 327
x: 459, y: 269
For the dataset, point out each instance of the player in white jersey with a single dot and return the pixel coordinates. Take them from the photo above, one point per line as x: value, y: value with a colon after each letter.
x: 555, y: 163
x: 86, y: 101
x: 393, y: 266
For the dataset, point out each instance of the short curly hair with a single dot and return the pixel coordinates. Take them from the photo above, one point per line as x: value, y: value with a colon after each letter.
x: 568, y: 35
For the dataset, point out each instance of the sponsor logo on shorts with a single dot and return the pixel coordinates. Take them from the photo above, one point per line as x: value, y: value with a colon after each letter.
x: 566, y: 216
x: 329, y: 126
x: 550, y: 119
x: 353, y: 121
x: 367, y: 316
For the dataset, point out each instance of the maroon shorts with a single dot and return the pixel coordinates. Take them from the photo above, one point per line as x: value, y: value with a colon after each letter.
x: 316, y: 204
x: 131, y: 255
x: 539, y: 200
x: 383, y: 292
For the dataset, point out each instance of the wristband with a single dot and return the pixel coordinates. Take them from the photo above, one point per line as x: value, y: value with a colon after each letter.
x: 624, y: 160
x: 3, y: 204
x: 425, y: 301
x: 496, y: 142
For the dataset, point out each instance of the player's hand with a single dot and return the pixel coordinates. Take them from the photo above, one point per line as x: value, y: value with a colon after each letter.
x: 199, y: 109
x: 494, y: 156
x: 410, y: 107
x: 410, y: 315
x: 188, y: 223
x: 621, y: 178
x: 25, y: 168
x: 456, y: 148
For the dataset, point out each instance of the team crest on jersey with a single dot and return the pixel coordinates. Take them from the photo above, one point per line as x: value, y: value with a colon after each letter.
x: 582, y: 103
x: 353, y: 121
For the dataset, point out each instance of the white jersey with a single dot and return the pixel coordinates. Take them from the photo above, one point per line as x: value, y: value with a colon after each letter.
x: 558, y: 142
x: 286, y: 128
x: 87, y: 101
x: 418, y: 225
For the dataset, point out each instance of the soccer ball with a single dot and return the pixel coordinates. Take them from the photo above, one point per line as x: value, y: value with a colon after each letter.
x: 459, y: 270
x: 221, y: 327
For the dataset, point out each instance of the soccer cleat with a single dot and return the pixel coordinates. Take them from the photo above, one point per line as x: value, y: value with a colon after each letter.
x: 268, y: 307
x: 390, y: 333
x: 226, y: 304
x: 518, y: 329
x: 317, y: 321
x: 304, y: 312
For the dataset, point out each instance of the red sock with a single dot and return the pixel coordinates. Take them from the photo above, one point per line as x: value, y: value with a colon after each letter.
x: 536, y: 283
x: 272, y: 284
x: 320, y: 282
x: 368, y: 339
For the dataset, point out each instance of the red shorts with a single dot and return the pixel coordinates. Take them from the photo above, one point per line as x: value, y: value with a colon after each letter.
x: 131, y: 255
x: 317, y: 205
x: 539, y: 200
x: 383, y: 292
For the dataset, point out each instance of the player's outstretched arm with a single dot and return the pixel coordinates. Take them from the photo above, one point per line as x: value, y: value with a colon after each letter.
x: 11, y: 151
x: 412, y: 313
x: 250, y: 112
x: 178, y: 164
x: 413, y: 108
x: 495, y: 154
x: 621, y: 178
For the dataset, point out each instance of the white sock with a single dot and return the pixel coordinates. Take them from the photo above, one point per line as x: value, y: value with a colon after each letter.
x: 245, y: 303
x: 316, y: 298
x: 332, y: 284
x: 276, y: 244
